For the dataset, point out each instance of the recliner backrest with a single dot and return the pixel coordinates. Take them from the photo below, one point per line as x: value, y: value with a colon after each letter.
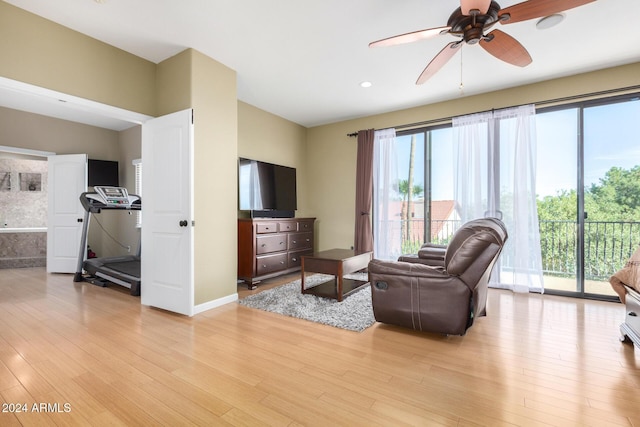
x: 470, y: 241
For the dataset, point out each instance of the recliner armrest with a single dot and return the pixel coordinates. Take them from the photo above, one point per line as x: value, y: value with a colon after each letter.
x: 432, y: 252
x: 413, y: 258
x: 433, y: 245
x: 428, y: 254
x: 400, y: 268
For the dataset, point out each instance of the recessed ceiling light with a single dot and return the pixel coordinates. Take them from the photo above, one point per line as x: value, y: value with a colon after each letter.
x: 365, y: 84
x: 101, y: 1
x: 549, y: 21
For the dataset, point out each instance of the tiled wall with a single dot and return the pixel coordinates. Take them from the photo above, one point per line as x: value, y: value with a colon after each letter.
x: 19, y: 250
x: 23, y: 204
x: 23, y: 193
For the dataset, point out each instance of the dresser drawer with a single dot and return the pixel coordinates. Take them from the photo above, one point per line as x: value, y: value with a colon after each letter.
x: 288, y: 226
x: 270, y: 263
x: 295, y: 258
x: 274, y: 243
x: 305, y: 225
x: 262, y: 228
x: 300, y: 241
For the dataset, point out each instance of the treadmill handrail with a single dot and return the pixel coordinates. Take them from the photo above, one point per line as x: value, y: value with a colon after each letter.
x: 95, y: 206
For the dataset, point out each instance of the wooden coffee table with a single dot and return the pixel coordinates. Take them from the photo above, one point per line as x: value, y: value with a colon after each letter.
x: 336, y: 262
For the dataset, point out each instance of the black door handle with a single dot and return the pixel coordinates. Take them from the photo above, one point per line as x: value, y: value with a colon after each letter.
x: 183, y: 223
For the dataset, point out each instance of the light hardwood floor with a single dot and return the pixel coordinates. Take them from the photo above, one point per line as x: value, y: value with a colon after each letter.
x: 534, y: 360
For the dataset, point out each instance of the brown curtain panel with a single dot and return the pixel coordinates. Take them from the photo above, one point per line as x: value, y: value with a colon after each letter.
x: 364, y: 191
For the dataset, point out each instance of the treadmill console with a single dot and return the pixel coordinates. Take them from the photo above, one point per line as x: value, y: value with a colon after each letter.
x: 114, y: 196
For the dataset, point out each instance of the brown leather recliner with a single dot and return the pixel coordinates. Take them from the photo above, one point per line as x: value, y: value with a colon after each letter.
x: 443, y: 299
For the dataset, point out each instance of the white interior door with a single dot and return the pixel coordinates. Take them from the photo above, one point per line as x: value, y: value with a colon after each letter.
x: 67, y: 180
x: 167, y: 213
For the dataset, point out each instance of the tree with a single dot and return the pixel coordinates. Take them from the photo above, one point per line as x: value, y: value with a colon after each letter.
x: 615, y: 198
x: 405, y: 212
x: 412, y: 153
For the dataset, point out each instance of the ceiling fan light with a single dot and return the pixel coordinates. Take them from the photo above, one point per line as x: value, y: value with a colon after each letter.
x: 549, y: 21
x: 466, y: 6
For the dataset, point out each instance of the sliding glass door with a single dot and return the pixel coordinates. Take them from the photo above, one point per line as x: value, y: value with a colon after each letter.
x: 588, y: 188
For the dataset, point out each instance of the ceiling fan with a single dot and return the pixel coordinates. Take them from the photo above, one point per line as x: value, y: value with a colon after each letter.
x: 470, y: 22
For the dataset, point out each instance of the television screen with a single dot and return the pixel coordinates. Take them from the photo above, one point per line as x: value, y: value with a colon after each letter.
x: 266, y: 186
x: 102, y: 172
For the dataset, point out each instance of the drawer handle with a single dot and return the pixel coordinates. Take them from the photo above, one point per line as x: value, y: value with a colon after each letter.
x: 308, y: 240
x: 632, y: 314
x: 294, y: 242
x: 282, y: 243
x: 281, y: 262
x: 264, y: 265
x: 263, y: 245
x: 294, y: 259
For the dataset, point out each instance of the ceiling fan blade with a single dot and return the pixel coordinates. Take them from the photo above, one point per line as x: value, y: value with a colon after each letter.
x: 506, y: 48
x: 410, y: 37
x: 438, y: 61
x: 466, y: 6
x: 537, y: 8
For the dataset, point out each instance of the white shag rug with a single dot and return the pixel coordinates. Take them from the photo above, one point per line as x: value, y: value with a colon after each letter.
x: 354, y: 313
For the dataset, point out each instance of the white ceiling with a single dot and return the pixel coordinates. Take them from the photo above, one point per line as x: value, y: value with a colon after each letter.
x: 304, y: 60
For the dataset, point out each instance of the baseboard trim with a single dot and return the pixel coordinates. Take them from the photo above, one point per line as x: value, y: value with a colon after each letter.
x: 215, y: 303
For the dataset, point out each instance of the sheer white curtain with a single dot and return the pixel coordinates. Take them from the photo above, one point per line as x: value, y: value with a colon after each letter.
x: 386, y: 226
x: 495, y: 175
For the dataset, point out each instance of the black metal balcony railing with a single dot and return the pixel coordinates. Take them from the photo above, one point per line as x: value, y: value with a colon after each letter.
x: 607, y: 244
x: 607, y: 247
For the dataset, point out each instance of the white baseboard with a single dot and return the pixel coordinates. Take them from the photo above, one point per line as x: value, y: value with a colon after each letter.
x: 215, y: 303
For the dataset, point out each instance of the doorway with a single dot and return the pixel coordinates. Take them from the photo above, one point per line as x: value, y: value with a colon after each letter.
x: 19, y: 99
x: 23, y: 208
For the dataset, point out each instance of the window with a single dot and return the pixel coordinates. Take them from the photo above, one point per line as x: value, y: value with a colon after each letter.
x: 425, y: 211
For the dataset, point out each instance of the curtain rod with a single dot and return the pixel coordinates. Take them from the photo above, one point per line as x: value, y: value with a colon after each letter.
x: 549, y: 101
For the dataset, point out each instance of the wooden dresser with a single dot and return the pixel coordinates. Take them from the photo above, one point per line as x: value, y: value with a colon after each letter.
x: 269, y: 247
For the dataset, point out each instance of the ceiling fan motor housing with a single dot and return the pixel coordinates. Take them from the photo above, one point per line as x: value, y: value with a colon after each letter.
x: 473, y: 26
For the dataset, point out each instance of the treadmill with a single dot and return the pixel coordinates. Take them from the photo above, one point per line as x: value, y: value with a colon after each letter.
x: 122, y: 270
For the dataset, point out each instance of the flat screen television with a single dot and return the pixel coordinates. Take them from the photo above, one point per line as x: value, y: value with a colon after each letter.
x: 266, y: 189
x: 102, y: 172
